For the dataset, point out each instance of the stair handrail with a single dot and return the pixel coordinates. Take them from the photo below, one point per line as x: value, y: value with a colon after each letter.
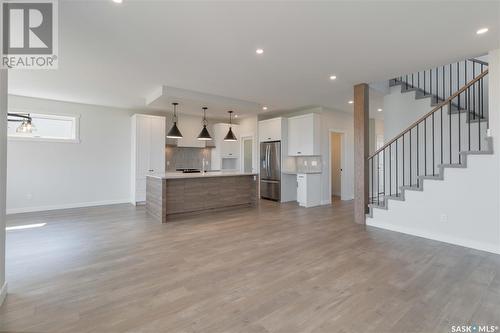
x: 433, y: 82
x: 481, y: 62
x: 428, y: 114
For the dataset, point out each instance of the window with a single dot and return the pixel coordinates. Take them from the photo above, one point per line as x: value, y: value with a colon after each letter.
x: 47, y: 127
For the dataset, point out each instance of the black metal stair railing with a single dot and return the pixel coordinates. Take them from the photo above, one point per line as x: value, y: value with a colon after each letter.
x: 435, y: 139
x: 443, y: 81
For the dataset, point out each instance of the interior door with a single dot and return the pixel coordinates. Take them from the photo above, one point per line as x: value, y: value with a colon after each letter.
x: 336, y: 163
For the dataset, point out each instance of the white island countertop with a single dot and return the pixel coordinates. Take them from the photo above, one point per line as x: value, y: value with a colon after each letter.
x: 180, y: 175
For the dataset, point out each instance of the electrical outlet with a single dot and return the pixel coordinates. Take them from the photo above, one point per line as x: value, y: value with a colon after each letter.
x: 443, y: 218
x: 168, y: 163
x: 314, y: 163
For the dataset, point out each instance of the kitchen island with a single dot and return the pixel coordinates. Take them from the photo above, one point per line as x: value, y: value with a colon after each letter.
x: 174, y: 193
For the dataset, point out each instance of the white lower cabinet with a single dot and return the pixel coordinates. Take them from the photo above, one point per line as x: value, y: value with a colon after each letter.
x: 309, y: 189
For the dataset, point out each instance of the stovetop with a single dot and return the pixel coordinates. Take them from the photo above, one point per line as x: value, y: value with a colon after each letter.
x: 189, y: 170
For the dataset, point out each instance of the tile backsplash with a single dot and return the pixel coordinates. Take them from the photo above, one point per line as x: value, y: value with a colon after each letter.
x: 186, y: 158
x: 309, y: 164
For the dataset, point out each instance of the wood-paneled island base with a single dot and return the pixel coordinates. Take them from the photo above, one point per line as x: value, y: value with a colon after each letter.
x: 173, y: 194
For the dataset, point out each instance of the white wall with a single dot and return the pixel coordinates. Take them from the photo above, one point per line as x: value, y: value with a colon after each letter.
x: 376, y: 128
x: 48, y: 175
x: 401, y: 110
x: 494, y: 105
x: 3, y: 177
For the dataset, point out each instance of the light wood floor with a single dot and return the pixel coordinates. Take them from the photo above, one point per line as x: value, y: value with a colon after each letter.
x: 276, y: 268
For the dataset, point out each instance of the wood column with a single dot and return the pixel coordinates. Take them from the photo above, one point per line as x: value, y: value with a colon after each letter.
x: 361, y: 142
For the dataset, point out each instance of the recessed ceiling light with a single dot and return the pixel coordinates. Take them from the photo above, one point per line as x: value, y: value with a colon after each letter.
x: 379, y: 110
x: 482, y: 31
x: 350, y: 102
x: 332, y: 77
x: 117, y: 1
x: 259, y: 51
x: 235, y: 116
x: 264, y: 108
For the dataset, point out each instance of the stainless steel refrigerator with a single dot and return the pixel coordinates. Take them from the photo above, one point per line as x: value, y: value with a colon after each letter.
x: 270, y: 170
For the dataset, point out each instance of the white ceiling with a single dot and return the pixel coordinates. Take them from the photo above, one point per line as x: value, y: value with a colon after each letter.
x: 118, y: 54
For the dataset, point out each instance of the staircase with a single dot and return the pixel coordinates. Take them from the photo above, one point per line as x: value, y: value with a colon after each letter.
x: 454, y: 129
x: 442, y: 82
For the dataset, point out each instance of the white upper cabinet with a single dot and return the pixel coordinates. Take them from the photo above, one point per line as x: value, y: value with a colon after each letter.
x: 304, y: 135
x: 270, y: 130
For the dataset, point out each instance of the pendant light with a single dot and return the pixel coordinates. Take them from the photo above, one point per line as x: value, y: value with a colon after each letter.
x: 26, y: 126
x: 204, y: 135
x: 174, y: 132
x: 230, y: 135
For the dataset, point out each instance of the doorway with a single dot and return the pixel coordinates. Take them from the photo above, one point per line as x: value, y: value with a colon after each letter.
x: 336, y: 165
x: 247, y: 154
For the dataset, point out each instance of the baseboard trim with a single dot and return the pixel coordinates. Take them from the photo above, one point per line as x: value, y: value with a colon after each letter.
x: 3, y: 293
x: 65, y: 206
x: 437, y: 237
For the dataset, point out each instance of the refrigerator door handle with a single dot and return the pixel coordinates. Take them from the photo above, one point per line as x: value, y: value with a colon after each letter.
x: 264, y: 159
x: 268, y: 155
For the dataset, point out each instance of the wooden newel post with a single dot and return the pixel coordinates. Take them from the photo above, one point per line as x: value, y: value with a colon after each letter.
x: 361, y: 109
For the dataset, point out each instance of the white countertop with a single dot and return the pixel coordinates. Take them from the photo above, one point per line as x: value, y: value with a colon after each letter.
x: 180, y: 175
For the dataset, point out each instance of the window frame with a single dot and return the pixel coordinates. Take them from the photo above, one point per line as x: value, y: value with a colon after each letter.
x: 75, y: 118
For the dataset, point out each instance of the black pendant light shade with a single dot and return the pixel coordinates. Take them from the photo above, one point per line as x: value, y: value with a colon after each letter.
x: 174, y: 132
x: 230, y: 135
x: 204, y: 135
